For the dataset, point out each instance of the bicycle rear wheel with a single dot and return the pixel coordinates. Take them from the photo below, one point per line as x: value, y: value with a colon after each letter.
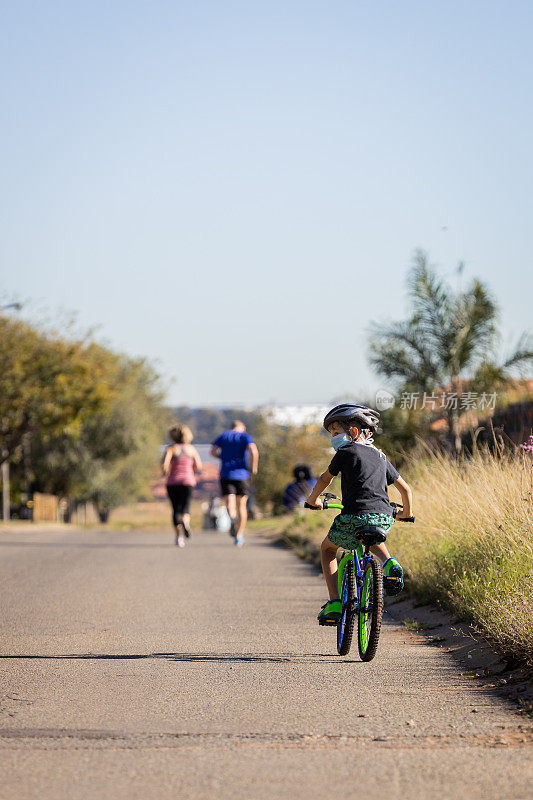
x: 371, y: 610
x: 346, y: 623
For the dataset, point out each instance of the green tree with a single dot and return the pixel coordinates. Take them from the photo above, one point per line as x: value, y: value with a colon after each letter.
x: 47, y: 385
x: 77, y: 419
x: 135, y: 426
x: 111, y: 457
x: 401, y: 430
x: 451, y: 336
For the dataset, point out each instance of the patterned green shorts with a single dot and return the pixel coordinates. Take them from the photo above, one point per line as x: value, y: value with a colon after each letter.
x: 343, y: 532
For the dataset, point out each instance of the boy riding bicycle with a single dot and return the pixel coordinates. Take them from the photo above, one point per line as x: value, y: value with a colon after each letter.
x: 365, y: 474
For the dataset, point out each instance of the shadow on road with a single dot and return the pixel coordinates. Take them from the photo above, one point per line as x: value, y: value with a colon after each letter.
x: 266, y: 658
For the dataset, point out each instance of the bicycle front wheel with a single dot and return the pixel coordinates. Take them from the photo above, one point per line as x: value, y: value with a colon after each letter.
x: 371, y: 610
x: 347, y: 620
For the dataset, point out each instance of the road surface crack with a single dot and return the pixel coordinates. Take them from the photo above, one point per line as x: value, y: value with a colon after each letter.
x: 58, y: 738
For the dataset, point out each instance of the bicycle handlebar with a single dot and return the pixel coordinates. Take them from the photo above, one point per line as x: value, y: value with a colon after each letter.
x: 395, y: 508
x: 327, y: 504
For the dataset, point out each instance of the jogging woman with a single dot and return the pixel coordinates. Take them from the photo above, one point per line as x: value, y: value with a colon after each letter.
x: 180, y: 462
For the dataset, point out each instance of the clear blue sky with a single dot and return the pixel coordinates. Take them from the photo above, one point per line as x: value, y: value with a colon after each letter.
x: 215, y: 184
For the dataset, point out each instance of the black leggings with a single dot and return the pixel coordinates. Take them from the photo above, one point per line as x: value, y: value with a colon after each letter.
x: 180, y: 497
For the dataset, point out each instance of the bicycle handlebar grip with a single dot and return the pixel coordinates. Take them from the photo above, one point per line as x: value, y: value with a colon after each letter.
x: 313, y: 508
x: 407, y: 519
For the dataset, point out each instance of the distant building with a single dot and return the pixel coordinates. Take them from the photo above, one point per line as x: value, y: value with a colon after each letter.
x: 305, y: 414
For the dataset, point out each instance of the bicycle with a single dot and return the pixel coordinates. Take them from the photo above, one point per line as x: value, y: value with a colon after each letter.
x: 360, y: 581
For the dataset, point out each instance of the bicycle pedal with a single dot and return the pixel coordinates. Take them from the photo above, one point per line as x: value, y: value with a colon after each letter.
x: 392, y: 586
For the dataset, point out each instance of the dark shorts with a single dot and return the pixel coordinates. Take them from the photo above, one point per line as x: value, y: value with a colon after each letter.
x: 180, y: 497
x: 231, y: 486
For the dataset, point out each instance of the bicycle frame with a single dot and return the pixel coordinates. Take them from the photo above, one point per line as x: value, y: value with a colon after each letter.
x: 360, y: 558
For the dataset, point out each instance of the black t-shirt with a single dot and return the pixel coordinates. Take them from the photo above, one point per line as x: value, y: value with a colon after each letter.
x: 365, y: 474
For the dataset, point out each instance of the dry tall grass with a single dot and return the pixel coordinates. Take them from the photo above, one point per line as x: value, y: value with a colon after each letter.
x: 472, y: 545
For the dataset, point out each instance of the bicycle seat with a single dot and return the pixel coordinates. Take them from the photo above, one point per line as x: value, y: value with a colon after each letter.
x: 371, y: 534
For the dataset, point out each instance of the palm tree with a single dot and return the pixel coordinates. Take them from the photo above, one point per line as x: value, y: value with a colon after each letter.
x: 451, y: 336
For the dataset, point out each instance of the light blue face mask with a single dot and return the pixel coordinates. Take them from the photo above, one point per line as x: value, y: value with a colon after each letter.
x: 340, y: 440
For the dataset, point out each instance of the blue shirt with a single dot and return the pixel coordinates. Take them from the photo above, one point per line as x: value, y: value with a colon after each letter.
x: 233, y: 446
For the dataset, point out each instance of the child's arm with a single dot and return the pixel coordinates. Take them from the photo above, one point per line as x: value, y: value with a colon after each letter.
x: 320, y: 486
x: 407, y: 498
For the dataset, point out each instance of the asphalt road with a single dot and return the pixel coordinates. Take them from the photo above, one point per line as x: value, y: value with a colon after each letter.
x: 132, y: 669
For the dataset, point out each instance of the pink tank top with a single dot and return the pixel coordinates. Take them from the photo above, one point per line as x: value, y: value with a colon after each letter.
x: 181, y: 470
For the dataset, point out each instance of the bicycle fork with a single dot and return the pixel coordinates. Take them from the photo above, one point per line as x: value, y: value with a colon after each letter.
x: 356, y: 558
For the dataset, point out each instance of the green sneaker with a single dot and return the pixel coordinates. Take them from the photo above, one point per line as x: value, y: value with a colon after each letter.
x: 330, y: 613
x: 392, y: 577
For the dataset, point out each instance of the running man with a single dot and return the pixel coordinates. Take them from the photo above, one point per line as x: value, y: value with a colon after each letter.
x: 236, y: 449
